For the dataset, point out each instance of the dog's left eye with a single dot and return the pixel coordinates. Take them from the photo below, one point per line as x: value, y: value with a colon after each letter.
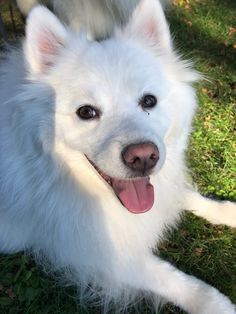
x: 148, y: 101
x: 87, y: 112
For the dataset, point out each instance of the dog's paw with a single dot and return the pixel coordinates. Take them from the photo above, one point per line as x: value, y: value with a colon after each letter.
x: 216, y: 303
x: 228, y: 210
x: 216, y: 212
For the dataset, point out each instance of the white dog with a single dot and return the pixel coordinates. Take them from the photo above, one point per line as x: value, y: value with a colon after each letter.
x: 92, y: 165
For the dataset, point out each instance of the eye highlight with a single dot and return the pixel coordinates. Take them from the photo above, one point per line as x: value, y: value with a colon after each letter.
x: 88, y: 112
x: 148, y: 101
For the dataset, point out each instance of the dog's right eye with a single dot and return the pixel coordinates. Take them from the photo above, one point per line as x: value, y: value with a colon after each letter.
x: 148, y: 101
x: 87, y: 112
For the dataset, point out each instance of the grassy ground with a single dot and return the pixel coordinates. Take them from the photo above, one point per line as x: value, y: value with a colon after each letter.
x: 206, y: 32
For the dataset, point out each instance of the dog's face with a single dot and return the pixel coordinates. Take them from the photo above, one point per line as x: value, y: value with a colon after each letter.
x: 116, y: 114
x: 116, y: 102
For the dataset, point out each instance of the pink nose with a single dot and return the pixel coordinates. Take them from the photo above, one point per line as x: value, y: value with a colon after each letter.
x: 141, y: 157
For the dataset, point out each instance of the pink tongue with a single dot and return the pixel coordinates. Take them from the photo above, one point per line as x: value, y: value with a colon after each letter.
x: 136, y: 195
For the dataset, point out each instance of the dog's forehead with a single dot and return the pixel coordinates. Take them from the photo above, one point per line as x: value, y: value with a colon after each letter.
x: 109, y: 72
x: 127, y: 62
x: 115, y: 66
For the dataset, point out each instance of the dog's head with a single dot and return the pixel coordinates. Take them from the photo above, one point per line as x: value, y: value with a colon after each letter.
x: 121, y: 103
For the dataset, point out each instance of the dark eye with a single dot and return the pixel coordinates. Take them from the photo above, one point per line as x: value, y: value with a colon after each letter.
x: 148, y: 101
x: 87, y: 112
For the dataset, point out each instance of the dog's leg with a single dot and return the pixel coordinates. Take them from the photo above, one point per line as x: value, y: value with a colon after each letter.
x: 190, y: 293
x: 216, y: 212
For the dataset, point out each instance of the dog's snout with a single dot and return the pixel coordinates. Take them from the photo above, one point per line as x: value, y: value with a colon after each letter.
x: 140, y: 157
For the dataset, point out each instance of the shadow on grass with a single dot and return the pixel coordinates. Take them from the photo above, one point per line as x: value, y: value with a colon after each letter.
x: 231, y: 4
x: 196, y: 43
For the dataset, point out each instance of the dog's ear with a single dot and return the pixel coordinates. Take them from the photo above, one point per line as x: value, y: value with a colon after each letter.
x: 45, y: 37
x: 148, y: 23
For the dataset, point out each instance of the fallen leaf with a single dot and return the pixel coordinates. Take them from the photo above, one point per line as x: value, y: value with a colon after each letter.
x: 199, y: 251
x: 231, y: 31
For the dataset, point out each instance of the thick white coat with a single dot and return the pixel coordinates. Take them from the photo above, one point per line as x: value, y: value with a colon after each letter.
x: 53, y: 202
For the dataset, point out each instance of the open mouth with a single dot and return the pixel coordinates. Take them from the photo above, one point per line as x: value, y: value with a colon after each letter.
x: 136, y: 195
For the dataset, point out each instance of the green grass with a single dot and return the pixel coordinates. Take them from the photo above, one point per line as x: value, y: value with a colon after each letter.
x: 204, y: 32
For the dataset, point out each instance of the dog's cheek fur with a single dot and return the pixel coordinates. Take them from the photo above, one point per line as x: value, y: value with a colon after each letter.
x: 181, y: 111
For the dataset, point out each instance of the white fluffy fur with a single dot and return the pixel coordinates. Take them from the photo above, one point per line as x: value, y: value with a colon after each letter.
x: 98, y: 17
x: 53, y: 202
